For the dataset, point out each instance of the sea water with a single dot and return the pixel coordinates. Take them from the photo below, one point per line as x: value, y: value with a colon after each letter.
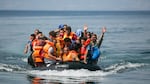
x: 125, y: 49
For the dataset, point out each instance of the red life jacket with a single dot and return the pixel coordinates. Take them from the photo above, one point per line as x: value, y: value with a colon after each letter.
x: 82, y: 52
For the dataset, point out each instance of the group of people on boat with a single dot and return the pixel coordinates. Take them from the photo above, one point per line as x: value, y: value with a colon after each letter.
x: 64, y: 45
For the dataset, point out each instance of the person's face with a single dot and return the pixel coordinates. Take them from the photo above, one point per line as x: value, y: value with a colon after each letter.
x: 40, y: 35
x: 93, y: 38
x: 78, y: 40
x: 31, y: 38
x: 61, y: 33
x: 66, y: 50
x: 67, y: 43
x: 51, y: 37
x: 88, y: 35
x: 36, y: 32
x: 65, y: 28
x: 82, y: 41
x: 67, y: 31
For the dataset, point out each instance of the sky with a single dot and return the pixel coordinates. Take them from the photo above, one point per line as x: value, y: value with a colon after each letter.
x: 101, y: 5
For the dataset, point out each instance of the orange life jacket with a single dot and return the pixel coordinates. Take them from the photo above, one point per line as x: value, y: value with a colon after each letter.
x: 60, y: 41
x: 71, y: 36
x: 34, y: 42
x: 37, y: 54
x: 59, y: 46
x: 69, y: 57
x: 46, y: 47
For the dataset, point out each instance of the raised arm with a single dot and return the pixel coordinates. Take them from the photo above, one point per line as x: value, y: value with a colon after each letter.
x: 26, y: 49
x: 85, y: 27
x: 99, y: 42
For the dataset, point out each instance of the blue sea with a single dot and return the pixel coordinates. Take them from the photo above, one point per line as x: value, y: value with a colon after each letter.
x: 125, y: 57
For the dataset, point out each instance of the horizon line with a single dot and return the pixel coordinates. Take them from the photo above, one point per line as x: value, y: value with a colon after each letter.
x: 73, y: 10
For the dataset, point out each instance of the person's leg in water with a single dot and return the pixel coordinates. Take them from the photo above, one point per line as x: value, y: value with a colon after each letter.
x: 30, y: 61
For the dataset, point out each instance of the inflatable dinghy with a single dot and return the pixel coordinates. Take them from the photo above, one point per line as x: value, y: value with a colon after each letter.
x: 75, y: 65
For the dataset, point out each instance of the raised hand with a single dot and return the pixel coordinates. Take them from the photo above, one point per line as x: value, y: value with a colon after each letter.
x: 103, y: 29
x: 85, y: 27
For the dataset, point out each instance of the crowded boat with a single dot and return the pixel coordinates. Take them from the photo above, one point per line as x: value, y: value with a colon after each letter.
x: 77, y: 50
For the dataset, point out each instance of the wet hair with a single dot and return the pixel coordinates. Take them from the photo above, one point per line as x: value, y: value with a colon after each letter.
x: 65, y: 25
x: 67, y: 40
x: 37, y: 30
x: 40, y: 32
x: 90, y: 34
x: 77, y: 46
x: 94, y: 35
x: 83, y: 38
x: 61, y: 29
x: 33, y: 35
x: 42, y: 38
x: 82, y: 34
x: 68, y: 28
x: 53, y: 34
x: 45, y: 38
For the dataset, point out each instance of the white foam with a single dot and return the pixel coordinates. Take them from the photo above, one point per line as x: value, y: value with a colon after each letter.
x: 73, y: 73
x: 10, y: 68
x: 85, y: 73
x: 68, y: 76
x: 2, y: 67
x: 122, y: 66
x: 24, y: 59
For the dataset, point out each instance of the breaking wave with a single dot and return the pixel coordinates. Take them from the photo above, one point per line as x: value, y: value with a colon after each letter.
x: 10, y: 68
